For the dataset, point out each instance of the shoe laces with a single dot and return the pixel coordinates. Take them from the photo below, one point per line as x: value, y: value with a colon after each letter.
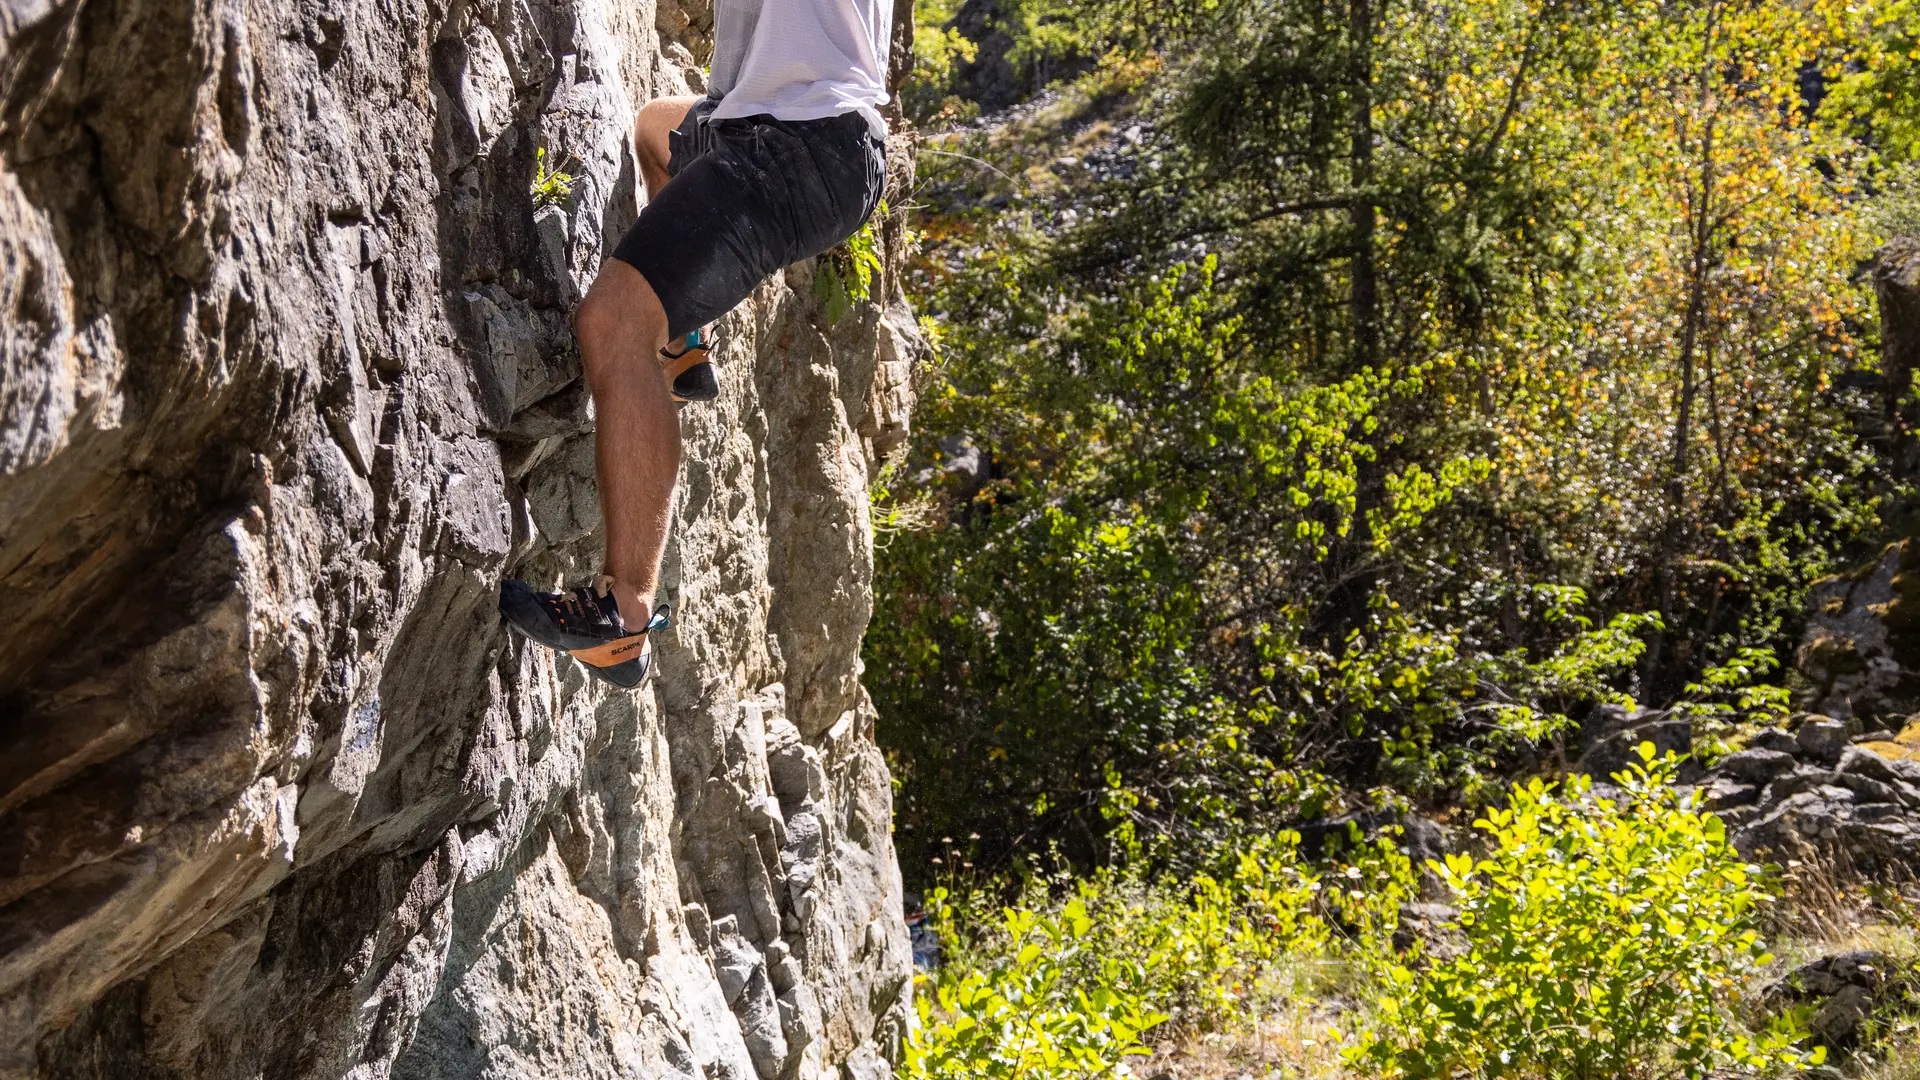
x: 594, y: 605
x: 588, y: 607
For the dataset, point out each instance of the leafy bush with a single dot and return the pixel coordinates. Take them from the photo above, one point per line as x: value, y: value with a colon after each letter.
x: 1044, y: 1005
x: 1604, y: 940
x: 1069, y: 986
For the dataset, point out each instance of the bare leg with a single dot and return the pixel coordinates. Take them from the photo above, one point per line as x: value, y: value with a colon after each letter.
x: 650, y: 128
x: 622, y: 327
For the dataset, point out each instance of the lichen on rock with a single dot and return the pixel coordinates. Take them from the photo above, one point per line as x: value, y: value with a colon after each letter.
x: 286, y: 387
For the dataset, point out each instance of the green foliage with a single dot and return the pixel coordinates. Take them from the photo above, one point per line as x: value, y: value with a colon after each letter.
x: 1068, y: 981
x: 1417, y: 377
x: 1604, y: 940
x: 1064, y: 638
x: 1731, y: 696
x: 1367, y: 391
x: 1216, y: 952
x: 1879, y: 91
x: 938, y: 50
x: 843, y: 277
x: 551, y: 186
x: 1045, y: 1006
x: 1600, y: 940
x: 1896, y: 210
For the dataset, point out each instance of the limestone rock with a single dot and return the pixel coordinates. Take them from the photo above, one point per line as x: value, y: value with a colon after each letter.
x: 1841, y: 990
x: 286, y: 387
x: 1821, y: 738
x: 1726, y: 792
x: 1756, y: 766
x: 1896, y: 280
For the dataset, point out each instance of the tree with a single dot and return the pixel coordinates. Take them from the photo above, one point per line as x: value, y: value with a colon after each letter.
x: 1323, y: 425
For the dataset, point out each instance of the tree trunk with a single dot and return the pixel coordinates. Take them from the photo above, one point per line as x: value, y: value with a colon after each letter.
x: 1366, y: 288
x: 1700, y: 260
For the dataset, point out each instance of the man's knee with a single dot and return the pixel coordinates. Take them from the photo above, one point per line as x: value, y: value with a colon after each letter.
x: 596, y: 316
x: 656, y: 119
x: 662, y: 114
x: 619, y: 312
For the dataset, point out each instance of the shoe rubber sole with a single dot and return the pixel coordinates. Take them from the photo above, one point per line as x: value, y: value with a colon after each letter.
x: 697, y: 383
x: 691, y: 372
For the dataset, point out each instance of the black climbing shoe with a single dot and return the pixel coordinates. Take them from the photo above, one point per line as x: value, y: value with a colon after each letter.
x: 693, y: 376
x: 697, y: 383
x: 585, y: 624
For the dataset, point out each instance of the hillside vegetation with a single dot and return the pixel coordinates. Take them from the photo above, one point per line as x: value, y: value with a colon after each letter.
x: 1345, y: 416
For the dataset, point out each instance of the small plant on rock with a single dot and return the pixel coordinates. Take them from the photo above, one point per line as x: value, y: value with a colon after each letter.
x: 844, y: 276
x: 551, y: 186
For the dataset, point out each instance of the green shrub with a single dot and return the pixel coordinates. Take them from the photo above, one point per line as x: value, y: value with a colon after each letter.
x: 1044, y: 1006
x: 1212, y: 952
x: 844, y: 276
x: 1068, y: 987
x: 1604, y: 940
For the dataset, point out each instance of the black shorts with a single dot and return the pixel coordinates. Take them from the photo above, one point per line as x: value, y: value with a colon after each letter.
x: 748, y: 197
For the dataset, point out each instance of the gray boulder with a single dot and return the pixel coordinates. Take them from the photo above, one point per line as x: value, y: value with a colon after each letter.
x: 1725, y: 792
x: 1756, y: 766
x: 1823, y: 739
x: 1843, y: 990
x: 1899, y: 776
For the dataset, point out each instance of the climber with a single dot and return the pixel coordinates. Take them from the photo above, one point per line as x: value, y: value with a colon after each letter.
x: 781, y: 160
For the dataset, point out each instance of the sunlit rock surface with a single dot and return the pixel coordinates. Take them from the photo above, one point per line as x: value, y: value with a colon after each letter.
x: 286, y: 387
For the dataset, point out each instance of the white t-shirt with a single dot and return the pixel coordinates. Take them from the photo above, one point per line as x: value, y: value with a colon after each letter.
x: 801, y: 59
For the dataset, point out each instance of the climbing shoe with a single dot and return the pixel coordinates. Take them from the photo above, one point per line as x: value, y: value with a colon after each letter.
x: 585, y: 624
x: 692, y: 372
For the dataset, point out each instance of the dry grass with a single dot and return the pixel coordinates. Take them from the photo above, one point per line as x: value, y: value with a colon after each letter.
x: 1299, y: 1041
x: 1821, y: 898
x: 1902, y: 1064
x: 1299, y: 1036
x: 1821, y: 915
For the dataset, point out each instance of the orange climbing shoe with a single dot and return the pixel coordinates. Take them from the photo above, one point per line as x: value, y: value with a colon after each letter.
x: 585, y: 624
x: 691, y: 368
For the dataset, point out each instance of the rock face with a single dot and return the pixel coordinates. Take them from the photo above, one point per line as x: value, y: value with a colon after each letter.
x: 1862, y: 646
x: 1853, y: 806
x: 286, y: 387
